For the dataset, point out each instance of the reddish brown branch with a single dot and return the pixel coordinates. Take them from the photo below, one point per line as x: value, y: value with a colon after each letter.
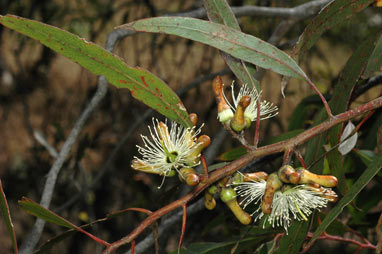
x: 366, y: 245
x: 244, y: 160
x: 326, y: 105
x: 184, y: 221
x: 133, y: 247
x: 300, y: 158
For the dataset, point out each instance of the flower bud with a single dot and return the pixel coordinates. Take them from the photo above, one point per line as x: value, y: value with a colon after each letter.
x: 239, y: 123
x: 209, y: 201
x: 273, y: 184
x: 224, y: 111
x: 203, y: 142
x: 189, y: 176
x: 323, y: 180
x: 288, y: 174
x: 255, y: 176
x: 193, y: 118
x: 228, y: 196
x: 213, y: 190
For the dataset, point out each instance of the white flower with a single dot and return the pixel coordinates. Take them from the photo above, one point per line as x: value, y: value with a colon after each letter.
x: 167, y: 151
x: 292, y: 202
x: 267, y: 109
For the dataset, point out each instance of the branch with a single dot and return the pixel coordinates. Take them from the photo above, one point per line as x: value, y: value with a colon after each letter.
x: 237, y: 164
x: 301, y: 11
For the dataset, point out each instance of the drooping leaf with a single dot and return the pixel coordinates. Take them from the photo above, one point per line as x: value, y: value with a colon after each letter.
x: 332, y: 15
x: 43, y: 213
x: 346, y: 146
x: 143, y: 85
x: 219, y: 11
x: 357, y: 187
x: 240, y: 45
x: 7, y: 218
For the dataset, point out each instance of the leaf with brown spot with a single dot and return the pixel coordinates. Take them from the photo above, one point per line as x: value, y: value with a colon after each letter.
x: 143, y: 85
x: 240, y: 45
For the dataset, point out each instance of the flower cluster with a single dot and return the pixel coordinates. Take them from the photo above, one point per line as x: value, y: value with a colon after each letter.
x: 169, y: 150
x: 244, y: 109
x: 288, y: 202
x: 267, y: 109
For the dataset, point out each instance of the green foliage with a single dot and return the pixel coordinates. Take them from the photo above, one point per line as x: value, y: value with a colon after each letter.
x: 45, y: 214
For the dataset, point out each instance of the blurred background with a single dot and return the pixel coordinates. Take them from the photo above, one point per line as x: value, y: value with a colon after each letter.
x: 43, y: 93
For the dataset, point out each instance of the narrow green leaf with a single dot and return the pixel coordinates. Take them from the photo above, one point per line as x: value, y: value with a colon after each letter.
x: 366, y: 156
x: 332, y: 15
x: 362, y: 181
x: 219, y: 11
x: 291, y: 243
x: 229, y: 40
x: 7, y: 218
x: 37, y: 210
x: 43, y: 213
x: 143, y: 85
x: 374, y: 64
